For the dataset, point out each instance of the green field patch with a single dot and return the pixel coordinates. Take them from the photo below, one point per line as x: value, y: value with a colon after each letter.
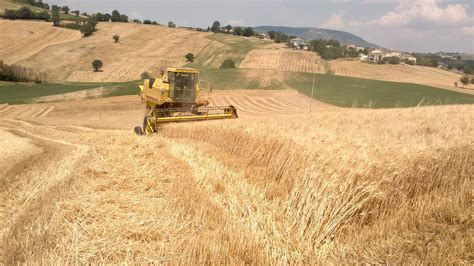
x: 357, y: 92
x: 20, y: 93
x: 224, y: 46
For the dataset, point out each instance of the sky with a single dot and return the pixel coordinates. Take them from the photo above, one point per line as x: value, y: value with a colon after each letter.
x: 405, y: 25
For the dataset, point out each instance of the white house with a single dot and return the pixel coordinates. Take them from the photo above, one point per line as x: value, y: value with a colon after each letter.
x: 376, y: 55
x: 298, y: 42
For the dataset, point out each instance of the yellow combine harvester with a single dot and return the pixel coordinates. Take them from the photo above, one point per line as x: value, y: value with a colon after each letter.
x: 178, y: 96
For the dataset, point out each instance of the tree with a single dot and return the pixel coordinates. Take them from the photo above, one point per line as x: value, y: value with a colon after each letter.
x: 147, y: 21
x: 77, y: 12
x: 464, y: 80
x: 9, y: 14
x: 238, y: 31
x: 216, y: 26
x: 123, y: 18
x: 228, y: 63
x: 97, y: 65
x: 271, y: 34
x: 55, y: 8
x: 56, y: 18
x: 247, y: 32
x: 65, y: 9
x: 25, y: 13
x: 116, y: 38
x: 87, y: 29
x: 145, y: 75
x: 472, y: 80
x: 190, y: 57
x: 171, y: 24
x: 468, y: 71
x: 366, y: 51
x: 137, y: 21
x: 228, y: 28
x: 154, y: 23
x: 116, y: 17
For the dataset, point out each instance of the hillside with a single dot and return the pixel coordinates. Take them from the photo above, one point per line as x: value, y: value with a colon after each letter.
x: 10, y: 4
x: 400, y: 73
x: 65, y: 55
x: 318, y: 33
x: 22, y: 39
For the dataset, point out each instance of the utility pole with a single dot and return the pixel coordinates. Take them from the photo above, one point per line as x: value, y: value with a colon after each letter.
x: 311, y: 100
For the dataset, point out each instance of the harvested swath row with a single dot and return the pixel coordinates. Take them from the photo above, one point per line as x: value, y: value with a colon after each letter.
x: 283, y: 60
x: 324, y: 197
x: 122, y: 70
x: 261, y: 102
x: 30, y: 190
x: 25, y: 111
x: 122, y: 208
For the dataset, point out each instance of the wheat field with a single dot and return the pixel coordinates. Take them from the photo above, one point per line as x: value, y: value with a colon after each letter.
x: 332, y: 186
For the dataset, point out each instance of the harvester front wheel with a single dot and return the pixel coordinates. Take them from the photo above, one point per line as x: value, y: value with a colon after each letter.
x: 138, y: 130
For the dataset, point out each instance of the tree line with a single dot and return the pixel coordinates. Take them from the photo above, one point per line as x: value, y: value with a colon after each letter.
x: 229, y: 29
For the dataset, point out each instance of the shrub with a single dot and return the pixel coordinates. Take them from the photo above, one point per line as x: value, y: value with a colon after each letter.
x: 171, y: 24
x: 154, y: 23
x: 190, y: 57
x: 9, y: 14
x: 472, y: 80
x: 116, y: 38
x: 228, y: 63
x: 468, y: 71
x: 394, y: 60
x: 147, y: 21
x: 464, y: 80
x: 25, y: 13
x: 73, y: 26
x: 238, y: 31
x: 247, y: 32
x: 145, y: 75
x: 87, y: 29
x: 97, y: 65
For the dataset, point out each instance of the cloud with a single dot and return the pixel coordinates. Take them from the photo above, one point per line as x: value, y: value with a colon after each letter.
x: 335, y: 22
x: 415, y: 12
x: 236, y: 21
x: 468, y: 30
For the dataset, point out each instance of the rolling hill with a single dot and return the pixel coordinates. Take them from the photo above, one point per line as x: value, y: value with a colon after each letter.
x: 318, y: 33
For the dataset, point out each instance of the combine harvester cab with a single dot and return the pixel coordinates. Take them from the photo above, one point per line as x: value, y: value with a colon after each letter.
x: 178, y: 96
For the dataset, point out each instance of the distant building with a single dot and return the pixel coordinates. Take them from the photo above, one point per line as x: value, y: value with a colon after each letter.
x: 376, y: 55
x: 298, y: 43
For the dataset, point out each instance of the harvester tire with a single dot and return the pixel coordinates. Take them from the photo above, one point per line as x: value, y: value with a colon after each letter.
x: 138, y: 130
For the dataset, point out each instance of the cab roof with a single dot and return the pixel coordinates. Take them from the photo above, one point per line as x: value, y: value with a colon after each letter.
x: 182, y: 70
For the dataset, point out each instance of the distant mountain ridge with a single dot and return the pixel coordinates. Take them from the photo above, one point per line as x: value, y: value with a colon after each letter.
x: 308, y: 33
